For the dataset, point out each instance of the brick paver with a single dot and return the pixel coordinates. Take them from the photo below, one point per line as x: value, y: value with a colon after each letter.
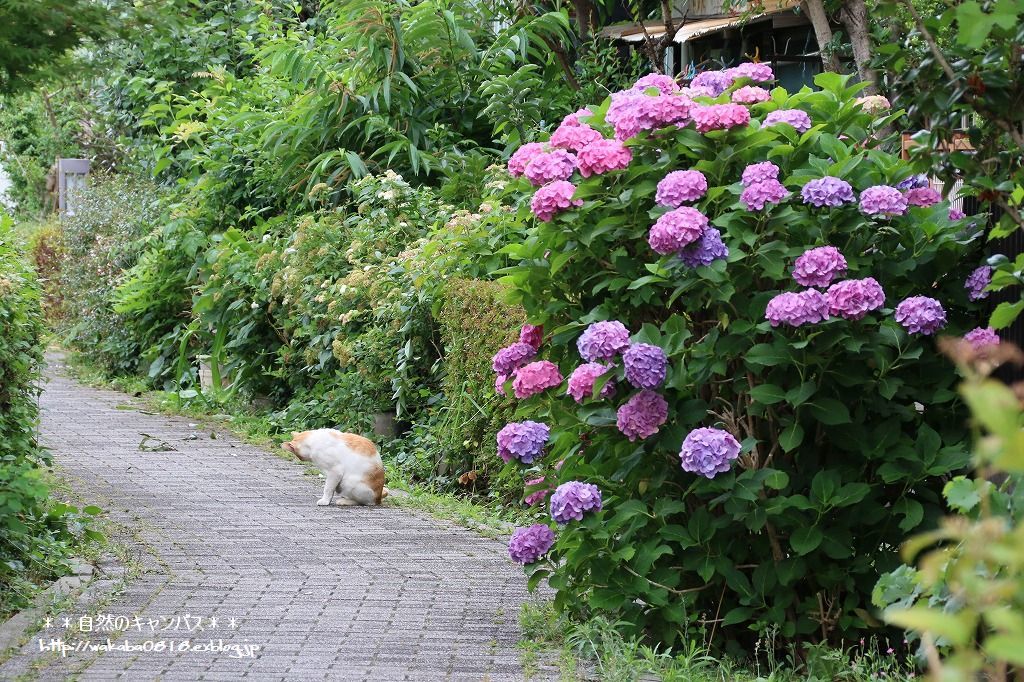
x: 327, y: 593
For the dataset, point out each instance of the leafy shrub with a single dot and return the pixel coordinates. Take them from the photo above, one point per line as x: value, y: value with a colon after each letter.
x: 36, y: 534
x: 46, y: 243
x: 833, y: 437
x: 101, y: 241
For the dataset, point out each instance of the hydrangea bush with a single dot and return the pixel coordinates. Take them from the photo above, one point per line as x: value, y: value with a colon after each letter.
x: 746, y: 415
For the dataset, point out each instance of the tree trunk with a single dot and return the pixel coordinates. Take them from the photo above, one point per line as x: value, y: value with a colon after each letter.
x: 854, y: 16
x: 584, y: 10
x: 815, y: 10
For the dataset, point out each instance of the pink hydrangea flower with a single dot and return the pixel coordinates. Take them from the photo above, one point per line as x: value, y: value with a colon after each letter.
x: 760, y: 73
x: 677, y: 228
x: 535, y: 378
x: 522, y: 156
x: 719, y: 116
x: 854, y: 298
x: 679, y: 187
x: 797, y: 308
x: 574, y: 137
x: 750, y: 94
x: 666, y: 84
x: 537, y: 496
x: 819, y: 266
x: 794, y: 117
x: 923, y: 196
x: 581, y: 381
x: 553, y: 198
x: 642, y: 415
x: 499, y: 383
x: 546, y: 167
x: 532, y: 335
x: 573, y: 119
x: 982, y: 337
x: 603, y: 156
x: 756, y: 196
x: 631, y: 112
x: 882, y: 200
x: 759, y: 172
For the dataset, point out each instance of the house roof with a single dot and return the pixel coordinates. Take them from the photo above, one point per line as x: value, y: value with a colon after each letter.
x: 689, y: 29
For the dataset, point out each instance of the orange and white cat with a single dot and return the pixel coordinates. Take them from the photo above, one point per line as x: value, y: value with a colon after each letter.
x: 351, y: 465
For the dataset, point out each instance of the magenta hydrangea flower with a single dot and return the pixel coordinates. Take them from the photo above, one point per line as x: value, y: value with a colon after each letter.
x: 794, y: 117
x: 499, y: 383
x: 574, y: 137
x: 536, y: 496
x: 535, y: 378
x: 524, y: 441
x: 882, y: 200
x: 529, y: 545
x: 581, y: 381
x: 573, y: 119
x: 921, y: 315
x: 665, y: 110
x: 708, y: 452
x: 546, y: 167
x: 759, y: 194
x: 692, y: 91
x: 827, y: 191
x: 603, y: 156
x: 677, y: 228
x: 603, y: 340
x: 510, y: 358
x: 679, y: 187
x: 758, y: 72
x: 646, y: 365
x: 854, y: 298
x: 750, y: 94
x: 532, y: 335
x: 719, y: 116
x: 923, y: 196
x: 705, y: 250
x: 977, y: 281
x: 797, y: 308
x: 572, y: 500
x: 627, y: 114
x: 666, y: 84
x: 716, y: 82
x: 553, y: 198
x: 956, y: 214
x: 522, y: 156
x: 641, y: 415
x: 819, y: 266
x: 759, y: 172
x: 982, y: 337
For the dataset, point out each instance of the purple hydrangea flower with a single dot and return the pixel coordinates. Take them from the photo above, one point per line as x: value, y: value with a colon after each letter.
x: 641, y: 415
x: 923, y: 196
x: 921, y: 315
x: 913, y: 182
x: 571, y: 500
x: 553, y: 198
x: 603, y: 340
x: 883, y: 200
x: 756, y: 196
x: 855, y: 298
x: 530, y: 544
x: 532, y: 335
x: 535, y: 377
x: 758, y: 72
x: 522, y: 156
x: 794, y: 117
x: 750, y: 94
x: 827, y: 191
x: 956, y: 214
x: 523, y: 441
x: 581, y: 381
x: 676, y: 229
x: 759, y: 172
x: 705, y: 250
x: 546, y: 167
x: 819, y: 266
x: 716, y: 82
x: 646, y: 365
x: 666, y: 84
x: 708, y: 451
x: 510, y: 358
x: 982, y: 337
x: 679, y: 187
x: 797, y: 308
x: 977, y: 281
x: 499, y: 383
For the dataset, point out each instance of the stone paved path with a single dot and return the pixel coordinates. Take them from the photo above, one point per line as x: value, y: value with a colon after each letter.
x: 327, y: 593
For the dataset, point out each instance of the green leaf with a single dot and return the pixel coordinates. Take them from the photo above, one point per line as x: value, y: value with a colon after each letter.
x: 1006, y: 647
x: 958, y: 628
x: 791, y: 437
x: 801, y: 393
x: 767, y: 394
x: 830, y: 411
x: 962, y: 494
x: 806, y: 540
x: 1005, y: 314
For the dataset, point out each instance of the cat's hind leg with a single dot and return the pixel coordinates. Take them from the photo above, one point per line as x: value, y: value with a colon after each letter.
x: 330, y: 485
x: 360, y: 493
